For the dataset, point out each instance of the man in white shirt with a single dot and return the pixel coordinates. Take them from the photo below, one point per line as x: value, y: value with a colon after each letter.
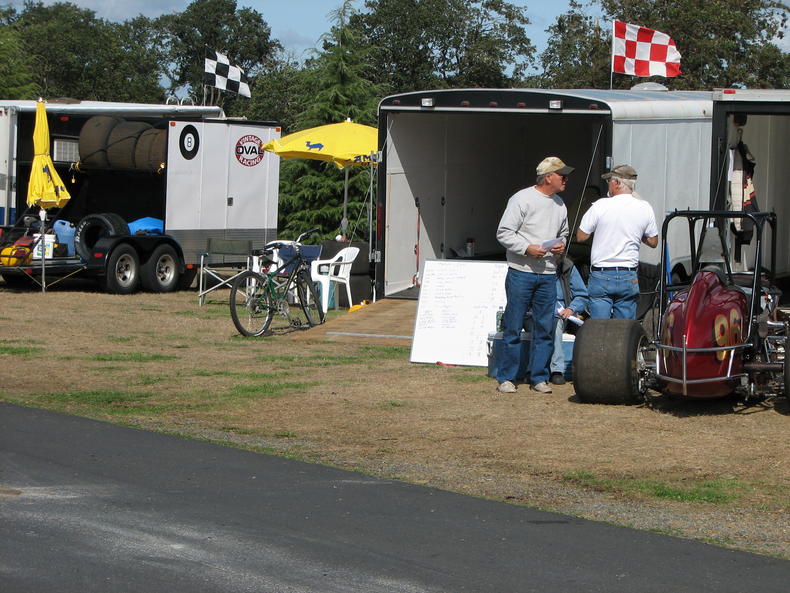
x: 533, y: 230
x: 620, y: 221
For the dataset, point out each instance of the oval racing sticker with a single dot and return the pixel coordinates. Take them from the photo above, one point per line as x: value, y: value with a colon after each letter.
x: 249, y: 150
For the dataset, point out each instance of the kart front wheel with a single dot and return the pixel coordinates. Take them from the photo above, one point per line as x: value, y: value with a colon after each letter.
x: 608, y: 361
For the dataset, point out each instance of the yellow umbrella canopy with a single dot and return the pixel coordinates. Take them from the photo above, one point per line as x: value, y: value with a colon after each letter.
x: 344, y: 143
x: 45, y: 188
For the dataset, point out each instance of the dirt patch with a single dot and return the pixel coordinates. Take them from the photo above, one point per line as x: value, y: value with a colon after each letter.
x: 715, y: 471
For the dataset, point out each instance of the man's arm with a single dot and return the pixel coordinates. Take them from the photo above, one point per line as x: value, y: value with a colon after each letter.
x: 581, y: 236
x: 650, y: 241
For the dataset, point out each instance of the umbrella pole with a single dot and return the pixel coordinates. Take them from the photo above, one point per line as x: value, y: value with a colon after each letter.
x: 42, y: 241
x: 344, y: 222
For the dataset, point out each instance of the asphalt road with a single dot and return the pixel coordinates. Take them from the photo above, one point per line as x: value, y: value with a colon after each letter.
x: 87, y: 506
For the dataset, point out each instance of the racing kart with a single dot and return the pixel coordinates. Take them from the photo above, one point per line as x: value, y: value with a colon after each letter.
x: 719, y: 332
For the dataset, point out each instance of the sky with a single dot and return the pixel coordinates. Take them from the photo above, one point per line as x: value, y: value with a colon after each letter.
x: 297, y: 24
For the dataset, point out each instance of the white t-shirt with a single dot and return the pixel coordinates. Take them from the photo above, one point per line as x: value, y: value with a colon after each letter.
x: 619, y: 223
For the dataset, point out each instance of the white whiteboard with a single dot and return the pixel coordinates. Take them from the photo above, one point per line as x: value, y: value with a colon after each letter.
x: 457, y: 310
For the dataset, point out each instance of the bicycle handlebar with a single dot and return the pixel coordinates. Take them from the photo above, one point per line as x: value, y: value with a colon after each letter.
x: 307, y: 234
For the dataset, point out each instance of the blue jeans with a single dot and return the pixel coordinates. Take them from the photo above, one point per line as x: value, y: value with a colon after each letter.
x: 613, y: 294
x: 558, y: 357
x: 526, y: 291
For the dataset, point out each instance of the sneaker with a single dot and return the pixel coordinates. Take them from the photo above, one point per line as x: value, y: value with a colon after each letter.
x: 541, y: 387
x: 506, y: 387
x: 557, y: 379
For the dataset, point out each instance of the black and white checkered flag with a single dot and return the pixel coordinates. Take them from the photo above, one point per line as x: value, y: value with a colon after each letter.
x: 222, y: 75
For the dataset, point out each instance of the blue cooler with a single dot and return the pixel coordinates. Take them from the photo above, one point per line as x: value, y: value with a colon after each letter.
x: 495, y: 345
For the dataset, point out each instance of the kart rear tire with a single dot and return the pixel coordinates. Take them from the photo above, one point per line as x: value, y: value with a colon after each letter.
x: 121, y: 143
x: 95, y: 226
x: 607, y: 361
x: 93, y: 141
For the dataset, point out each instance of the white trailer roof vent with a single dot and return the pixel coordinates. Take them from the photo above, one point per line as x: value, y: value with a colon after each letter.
x: 649, y: 86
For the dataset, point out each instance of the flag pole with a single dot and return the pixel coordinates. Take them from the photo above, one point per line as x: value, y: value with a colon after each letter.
x: 611, y: 65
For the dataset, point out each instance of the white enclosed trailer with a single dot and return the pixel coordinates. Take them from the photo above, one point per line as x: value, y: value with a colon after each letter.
x: 208, y: 178
x: 452, y: 158
x: 766, y: 132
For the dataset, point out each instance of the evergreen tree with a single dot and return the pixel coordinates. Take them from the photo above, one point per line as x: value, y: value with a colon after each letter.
x: 311, y: 192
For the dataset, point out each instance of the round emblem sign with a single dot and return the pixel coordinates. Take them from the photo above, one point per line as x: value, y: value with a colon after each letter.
x: 189, y: 142
x: 249, y: 150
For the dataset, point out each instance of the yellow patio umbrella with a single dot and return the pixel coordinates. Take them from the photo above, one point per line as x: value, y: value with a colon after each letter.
x: 45, y: 188
x: 345, y: 143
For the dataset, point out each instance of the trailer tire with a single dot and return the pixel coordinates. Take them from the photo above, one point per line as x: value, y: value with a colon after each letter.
x: 93, y: 141
x: 161, y: 272
x: 122, y: 142
x: 95, y: 226
x: 142, y: 151
x: 607, y: 360
x: 123, y: 270
x: 151, y: 149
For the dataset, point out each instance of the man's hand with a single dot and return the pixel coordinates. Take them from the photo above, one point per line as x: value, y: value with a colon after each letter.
x: 565, y: 313
x: 558, y: 249
x: 536, y: 251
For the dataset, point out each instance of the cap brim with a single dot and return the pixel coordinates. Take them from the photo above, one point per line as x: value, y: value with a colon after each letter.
x: 608, y: 175
x: 566, y: 170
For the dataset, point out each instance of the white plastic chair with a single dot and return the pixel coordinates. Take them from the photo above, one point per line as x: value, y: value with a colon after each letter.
x: 337, y: 269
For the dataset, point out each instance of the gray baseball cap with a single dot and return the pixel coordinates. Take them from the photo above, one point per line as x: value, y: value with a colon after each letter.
x: 621, y: 171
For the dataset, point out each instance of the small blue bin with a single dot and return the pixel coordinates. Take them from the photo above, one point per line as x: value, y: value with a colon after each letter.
x: 64, y: 231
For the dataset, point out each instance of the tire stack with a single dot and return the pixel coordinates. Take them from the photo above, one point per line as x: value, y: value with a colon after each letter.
x: 108, y: 142
x: 361, y: 285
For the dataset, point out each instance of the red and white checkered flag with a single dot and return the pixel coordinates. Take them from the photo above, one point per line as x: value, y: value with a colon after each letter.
x: 640, y: 51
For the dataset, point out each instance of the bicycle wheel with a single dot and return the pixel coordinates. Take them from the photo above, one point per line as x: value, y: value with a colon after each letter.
x: 252, y: 306
x: 309, y: 299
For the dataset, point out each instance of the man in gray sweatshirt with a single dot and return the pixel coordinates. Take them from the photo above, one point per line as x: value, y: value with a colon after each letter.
x: 533, y: 230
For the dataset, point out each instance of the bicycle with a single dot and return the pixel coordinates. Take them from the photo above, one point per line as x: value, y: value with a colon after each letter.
x: 256, y: 295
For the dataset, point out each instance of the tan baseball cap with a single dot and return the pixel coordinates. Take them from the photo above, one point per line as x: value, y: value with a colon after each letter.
x: 621, y: 171
x: 553, y: 164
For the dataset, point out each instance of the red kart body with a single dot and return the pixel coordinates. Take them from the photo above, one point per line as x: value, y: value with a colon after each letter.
x: 701, y: 324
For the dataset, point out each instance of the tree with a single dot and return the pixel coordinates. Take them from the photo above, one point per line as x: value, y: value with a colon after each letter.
x: 722, y: 42
x: 311, y: 192
x: 77, y: 55
x: 16, y: 68
x: 241, y: 34
x: 422, y: 44
x: 577, y: 55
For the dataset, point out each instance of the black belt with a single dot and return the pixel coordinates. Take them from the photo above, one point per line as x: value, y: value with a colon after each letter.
x: 616, y: 268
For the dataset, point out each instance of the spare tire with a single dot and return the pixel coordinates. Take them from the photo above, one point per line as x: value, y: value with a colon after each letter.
x: 151, y: 150
x: 93, y: 141
x: 95, y: 226
x: 122, y: 142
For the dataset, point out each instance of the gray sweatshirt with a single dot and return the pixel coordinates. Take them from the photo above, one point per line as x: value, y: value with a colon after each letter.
x: 530, y: 218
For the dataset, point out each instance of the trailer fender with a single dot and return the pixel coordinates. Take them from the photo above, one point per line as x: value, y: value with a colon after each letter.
x: 144, y: 245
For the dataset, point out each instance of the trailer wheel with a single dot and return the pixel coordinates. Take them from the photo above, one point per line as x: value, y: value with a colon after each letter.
x: 161, y: 272
x: 123, y: 270
x: 607, y: 360
x: 95, y: 226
